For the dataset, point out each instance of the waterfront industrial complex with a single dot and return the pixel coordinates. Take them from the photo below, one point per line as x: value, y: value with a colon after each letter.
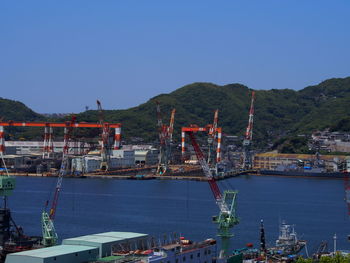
x: 203, y: 156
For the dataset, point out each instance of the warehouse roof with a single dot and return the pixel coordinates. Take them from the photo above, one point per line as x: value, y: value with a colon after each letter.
x: 103, y: 238
x: 92, y: 238
x: 53, y: 251
x: 122, y: 235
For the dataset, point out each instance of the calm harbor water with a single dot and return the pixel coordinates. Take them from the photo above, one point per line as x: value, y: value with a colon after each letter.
x: 87, y: 206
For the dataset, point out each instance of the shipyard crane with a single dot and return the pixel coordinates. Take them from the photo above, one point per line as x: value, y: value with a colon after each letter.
x: 212, y: 137
x: 165, y: 140
x: 247, y: 142
x: 105, y: 147
x: 170, y: 131
x: 48, y: 229
x: 227, y: 218
x: 171, y: 125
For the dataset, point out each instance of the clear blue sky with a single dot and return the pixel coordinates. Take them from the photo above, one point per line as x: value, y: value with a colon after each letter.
x: 59, y: 56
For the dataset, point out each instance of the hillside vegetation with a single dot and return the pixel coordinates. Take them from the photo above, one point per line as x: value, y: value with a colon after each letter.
x: 17, y: 111
x: 278, y: 113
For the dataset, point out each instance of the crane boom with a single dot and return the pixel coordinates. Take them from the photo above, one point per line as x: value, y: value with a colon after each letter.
x: 205, y: 167
x: 49, y: 233
x: 64, y: 166
x: 212, y: 134
x: 247, y: 162
x: 171, y: 125
x: 226, y: 202
x: 159, y: 116
x: 211, y: 180
x: 249, y: 130
x: 215, y: 123
x: 165, y: 138
x: 105, y: 138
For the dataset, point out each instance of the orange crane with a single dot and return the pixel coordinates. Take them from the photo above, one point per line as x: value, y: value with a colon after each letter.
x: 247, y: 142
x: 194, y: 128
x: 51, y: 125
x: 48, y: 142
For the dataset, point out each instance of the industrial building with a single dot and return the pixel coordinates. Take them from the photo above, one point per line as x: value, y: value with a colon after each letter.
x: 62, y: 253
x: 85, y: 164
x: 146, y: 157
x: 80, y: 249
x: 90, y: 163
x: 125, y: 158
x: 36, y: 147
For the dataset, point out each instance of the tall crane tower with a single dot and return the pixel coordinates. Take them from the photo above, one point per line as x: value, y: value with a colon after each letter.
x: 105, y: 147
x: 47, y: 218
x: 226, y: 202
x: 247, y: 142
x: 165, y: 140
x: 212, y: 136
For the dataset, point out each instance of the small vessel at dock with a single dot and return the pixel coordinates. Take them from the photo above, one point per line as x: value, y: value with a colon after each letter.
x: 287, y: 242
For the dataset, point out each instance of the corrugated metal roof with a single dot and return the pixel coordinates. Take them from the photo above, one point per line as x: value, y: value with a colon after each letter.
x: 122, y: 235
x: 93, y: 238
x: 103, y: 238
x: 53, y: 251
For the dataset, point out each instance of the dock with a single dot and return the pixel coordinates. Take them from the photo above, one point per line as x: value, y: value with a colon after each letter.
x: 178, y: 172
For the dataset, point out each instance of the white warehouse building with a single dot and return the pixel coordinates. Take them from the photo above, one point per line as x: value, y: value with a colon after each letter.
x: 91, y: 163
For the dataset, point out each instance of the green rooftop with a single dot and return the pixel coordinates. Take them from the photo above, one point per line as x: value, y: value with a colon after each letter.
x: 111, y: 258
x: 54, y: 251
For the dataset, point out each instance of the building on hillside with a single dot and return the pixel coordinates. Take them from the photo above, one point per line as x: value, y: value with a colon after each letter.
x: 271, y: 160
x: 330, y: 141
x: 338, y: 146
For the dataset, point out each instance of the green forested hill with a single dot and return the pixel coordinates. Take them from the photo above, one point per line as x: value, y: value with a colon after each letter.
x: 277, y: 112
x: 17, y: 111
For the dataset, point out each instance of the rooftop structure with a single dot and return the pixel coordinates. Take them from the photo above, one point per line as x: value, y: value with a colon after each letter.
x: 61, y: 253
x: 105, y: 241
x: 79, y: 249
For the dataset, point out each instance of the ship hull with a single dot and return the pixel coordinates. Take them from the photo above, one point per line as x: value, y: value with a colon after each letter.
x: 303, y: 174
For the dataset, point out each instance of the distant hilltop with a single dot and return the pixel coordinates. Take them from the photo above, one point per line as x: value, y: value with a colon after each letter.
x: 279, y: 113
x: 55, y: 115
